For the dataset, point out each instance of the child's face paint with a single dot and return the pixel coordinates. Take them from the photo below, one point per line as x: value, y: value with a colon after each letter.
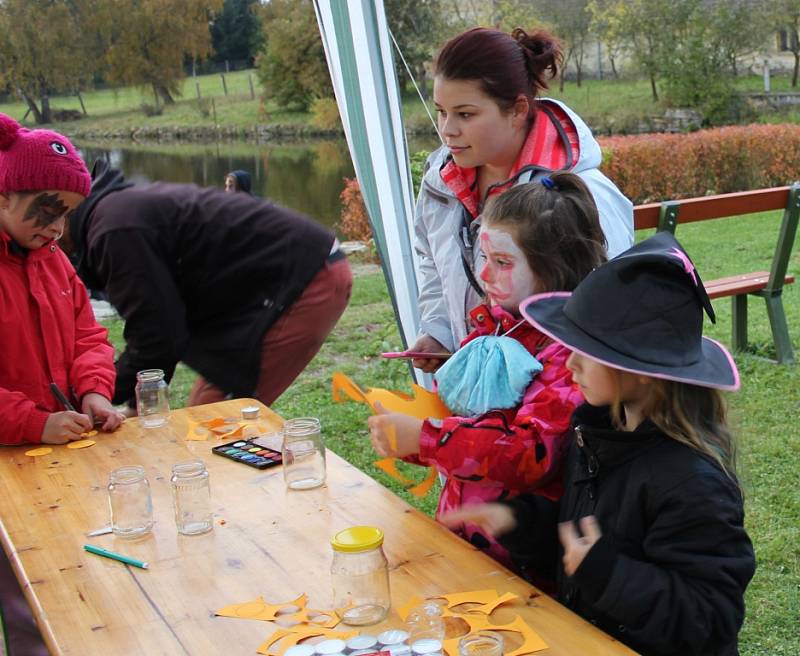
x: 33, y: 220
x: 506, y: 275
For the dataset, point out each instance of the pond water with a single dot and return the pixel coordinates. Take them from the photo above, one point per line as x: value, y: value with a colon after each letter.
x: 304, y: 175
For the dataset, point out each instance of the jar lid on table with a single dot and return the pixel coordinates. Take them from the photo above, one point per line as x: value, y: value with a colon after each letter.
x: 357, y: 538
x: 251, y: 412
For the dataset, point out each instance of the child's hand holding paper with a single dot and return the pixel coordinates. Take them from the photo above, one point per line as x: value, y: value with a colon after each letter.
x: 394, y: 435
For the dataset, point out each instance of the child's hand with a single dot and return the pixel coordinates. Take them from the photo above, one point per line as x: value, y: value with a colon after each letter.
x: 99, y: 408
x: 493, y: 518
x: 63, y: 427
x: 394, y: 435
x: 576, y: 547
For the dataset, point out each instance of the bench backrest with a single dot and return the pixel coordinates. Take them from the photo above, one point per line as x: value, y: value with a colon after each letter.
x: 667, y: 215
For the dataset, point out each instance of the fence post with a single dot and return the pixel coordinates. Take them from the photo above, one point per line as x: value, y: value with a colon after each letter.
x: 214, y: 110
x: 80, y: 100
x: 197, y: 87
x: 766, y: 76
x: 252, y: 90
x: 224, y: 85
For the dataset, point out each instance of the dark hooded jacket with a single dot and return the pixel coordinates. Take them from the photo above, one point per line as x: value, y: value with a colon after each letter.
x: 198, y: 275
x: 669, y: 573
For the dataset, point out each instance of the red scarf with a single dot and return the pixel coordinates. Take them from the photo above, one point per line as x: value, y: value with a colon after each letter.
x: 544, y: 147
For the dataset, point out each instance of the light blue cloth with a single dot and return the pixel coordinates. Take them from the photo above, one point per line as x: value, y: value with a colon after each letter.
x: 488, y: 373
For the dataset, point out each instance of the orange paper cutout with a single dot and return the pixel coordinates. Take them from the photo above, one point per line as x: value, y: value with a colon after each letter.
x: 290, y: 637
x: 41, y: 451
x: 488, y: 608
x: 389, y: 466
x: 422, y: 405
x: 531, y: 641
x: 425, y: 486
x: 473, y: 597
x: 312, y: 617
x: 80, y: 444
x: 258, y: 609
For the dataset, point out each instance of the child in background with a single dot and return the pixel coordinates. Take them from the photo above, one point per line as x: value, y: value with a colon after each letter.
x: 508, y: 439
x: 238, y: 181
x: 653, y: 546
x: 47, y: 332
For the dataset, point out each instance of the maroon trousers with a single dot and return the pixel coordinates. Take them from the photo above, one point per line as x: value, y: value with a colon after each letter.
x: 295, y: 338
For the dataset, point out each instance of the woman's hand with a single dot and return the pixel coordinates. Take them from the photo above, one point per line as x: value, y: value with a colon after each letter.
x: 63, y: 427
x: 427, y: 344
x: 100, y: 410
x: 394, y: 435
x: 575, y: 546
x: 492, y: 518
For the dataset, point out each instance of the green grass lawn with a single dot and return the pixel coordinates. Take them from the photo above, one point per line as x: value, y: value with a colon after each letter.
x: 604, y: 104
x: 764, y: 412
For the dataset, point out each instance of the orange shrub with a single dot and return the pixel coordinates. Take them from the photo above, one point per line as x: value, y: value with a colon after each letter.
x: 656, y: 167
x: 354, y: 221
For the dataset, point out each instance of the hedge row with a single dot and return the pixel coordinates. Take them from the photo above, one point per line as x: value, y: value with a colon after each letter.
x: 655, y: 167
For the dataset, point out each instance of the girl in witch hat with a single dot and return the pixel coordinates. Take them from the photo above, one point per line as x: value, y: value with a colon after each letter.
x: 652, y: 544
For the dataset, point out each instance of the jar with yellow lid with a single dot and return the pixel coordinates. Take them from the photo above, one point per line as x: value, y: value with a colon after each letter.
x: 360, y: 576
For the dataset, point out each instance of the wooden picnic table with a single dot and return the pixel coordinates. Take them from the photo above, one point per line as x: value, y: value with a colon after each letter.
x: 266, y: 541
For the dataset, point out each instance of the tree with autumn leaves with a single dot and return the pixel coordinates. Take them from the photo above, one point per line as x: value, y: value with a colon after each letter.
x: 52, y: 47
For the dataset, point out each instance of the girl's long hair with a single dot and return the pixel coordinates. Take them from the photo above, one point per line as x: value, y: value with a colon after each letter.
x: 692, y: 415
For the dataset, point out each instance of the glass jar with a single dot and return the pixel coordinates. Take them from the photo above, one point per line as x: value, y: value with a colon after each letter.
x: 130, y: 502
x: 481, y: 643
x: 152, y: 398
x: 191, y: 497
x: 426, y: 623
x: 360, y: 576
x: 303, y: 454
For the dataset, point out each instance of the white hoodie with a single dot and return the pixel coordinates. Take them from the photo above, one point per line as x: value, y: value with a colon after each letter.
x: 446, y: 295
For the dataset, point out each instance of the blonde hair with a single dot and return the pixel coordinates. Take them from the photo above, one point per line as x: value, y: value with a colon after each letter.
x: 690, y: 414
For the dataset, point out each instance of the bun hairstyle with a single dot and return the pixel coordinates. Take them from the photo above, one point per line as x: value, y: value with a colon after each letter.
x: 506, y: 65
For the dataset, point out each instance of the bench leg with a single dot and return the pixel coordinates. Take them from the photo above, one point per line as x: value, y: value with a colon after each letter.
x: 780, y: 331
x: 739, y: 322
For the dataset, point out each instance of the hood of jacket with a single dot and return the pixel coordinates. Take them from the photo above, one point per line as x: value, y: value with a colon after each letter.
x: 105, y: 180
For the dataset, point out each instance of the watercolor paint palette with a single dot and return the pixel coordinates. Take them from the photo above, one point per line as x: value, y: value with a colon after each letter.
x: 258, y: 452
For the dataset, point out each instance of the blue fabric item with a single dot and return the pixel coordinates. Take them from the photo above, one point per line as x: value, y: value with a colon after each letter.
x: 488, y: 373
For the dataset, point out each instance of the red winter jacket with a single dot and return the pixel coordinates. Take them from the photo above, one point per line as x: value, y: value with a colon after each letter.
x: 47, y: 334
x: 503, y: 453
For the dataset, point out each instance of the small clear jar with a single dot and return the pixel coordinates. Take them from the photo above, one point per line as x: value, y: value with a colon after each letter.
x: 360, y: 576
x: 130, y: 502
x: 426, y: 623
x: 303, y: 454
x: 191, y: 497
x: 481, y: 643
x: 152, y: 398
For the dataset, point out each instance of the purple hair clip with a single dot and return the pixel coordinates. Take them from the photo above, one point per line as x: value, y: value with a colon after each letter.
x: 548, y: 182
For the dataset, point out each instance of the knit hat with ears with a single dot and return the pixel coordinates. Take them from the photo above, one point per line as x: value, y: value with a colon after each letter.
x: 36, y: 160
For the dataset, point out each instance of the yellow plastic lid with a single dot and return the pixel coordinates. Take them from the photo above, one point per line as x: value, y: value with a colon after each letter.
x: 357, y: 538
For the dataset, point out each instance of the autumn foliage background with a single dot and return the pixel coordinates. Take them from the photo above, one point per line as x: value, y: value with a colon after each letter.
x: 657, y: 167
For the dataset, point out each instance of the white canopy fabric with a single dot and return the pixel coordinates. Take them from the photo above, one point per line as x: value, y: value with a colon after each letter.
x: 359, y: 54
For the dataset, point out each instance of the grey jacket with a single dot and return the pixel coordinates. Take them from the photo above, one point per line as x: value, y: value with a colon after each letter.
x: 446, y: 295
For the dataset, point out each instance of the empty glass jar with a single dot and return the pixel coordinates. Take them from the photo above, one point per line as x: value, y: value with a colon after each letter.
x: 152, y: 398
x: 481, y: 643
x: 191, y: 497
x: 130, y: 502
x: 360, y: 576
x: 303, y: 454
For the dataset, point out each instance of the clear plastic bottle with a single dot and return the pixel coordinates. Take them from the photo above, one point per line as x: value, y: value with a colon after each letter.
x: 360, y: 576
x: 130, y: 502
x: 152, y: 398
x: 191, y: 496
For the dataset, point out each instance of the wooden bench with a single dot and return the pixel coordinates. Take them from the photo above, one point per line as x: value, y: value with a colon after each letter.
x: 766, y: 284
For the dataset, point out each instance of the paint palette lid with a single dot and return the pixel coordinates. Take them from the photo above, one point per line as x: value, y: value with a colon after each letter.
x: 330, y: 647
x: 251, y: 412
x: 426, y: 646
x: 299, y: 650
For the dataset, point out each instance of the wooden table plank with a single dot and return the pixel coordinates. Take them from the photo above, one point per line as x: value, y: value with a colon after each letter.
x: 273, y: 543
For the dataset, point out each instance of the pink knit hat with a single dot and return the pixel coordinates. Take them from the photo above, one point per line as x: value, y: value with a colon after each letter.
x: 35, y: 160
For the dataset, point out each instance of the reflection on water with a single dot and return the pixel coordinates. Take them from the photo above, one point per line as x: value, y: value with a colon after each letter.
x: 306, y: 176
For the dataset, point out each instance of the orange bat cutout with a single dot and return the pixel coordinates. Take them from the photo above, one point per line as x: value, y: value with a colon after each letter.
x: 422, y: 405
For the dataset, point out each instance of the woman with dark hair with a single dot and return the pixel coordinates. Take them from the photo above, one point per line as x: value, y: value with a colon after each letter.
x: 497, y: 133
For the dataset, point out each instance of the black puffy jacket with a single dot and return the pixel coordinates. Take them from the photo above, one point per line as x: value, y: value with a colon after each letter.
x: 669, y: 574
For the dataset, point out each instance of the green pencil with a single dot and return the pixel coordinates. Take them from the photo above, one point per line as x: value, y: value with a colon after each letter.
x: 114, y: 556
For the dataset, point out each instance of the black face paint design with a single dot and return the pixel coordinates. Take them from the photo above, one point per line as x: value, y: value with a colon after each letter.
x: 44, y: 210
